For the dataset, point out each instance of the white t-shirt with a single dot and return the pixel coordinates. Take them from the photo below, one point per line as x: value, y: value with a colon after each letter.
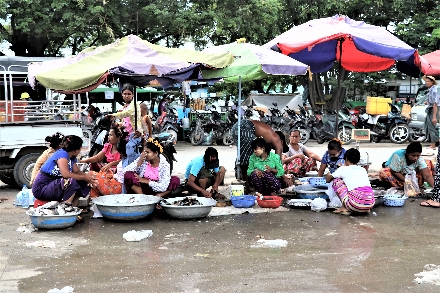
x: 354, y: 176
x: 291, y: 152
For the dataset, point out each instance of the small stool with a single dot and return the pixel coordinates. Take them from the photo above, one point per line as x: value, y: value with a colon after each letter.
x: 38, y: 203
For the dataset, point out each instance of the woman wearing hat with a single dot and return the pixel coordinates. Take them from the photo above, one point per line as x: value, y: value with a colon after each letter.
x: 433, y: 101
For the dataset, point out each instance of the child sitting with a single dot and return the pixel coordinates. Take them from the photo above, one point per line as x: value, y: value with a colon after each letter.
x: 352, y: 186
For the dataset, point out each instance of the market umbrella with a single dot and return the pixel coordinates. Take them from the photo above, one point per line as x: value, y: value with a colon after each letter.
x: 251, y: 62
x: 130, y: 57
x: 356, y: 45
x: 428, y: 64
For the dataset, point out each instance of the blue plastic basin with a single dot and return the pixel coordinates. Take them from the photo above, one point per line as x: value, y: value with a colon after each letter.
x: 243, y: 201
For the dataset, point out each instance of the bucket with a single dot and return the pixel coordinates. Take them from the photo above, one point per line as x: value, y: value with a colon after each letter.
x: 237, y: 189
x: 185, y: 123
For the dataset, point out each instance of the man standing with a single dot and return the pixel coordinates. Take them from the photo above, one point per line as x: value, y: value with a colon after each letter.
x: 203, y: 172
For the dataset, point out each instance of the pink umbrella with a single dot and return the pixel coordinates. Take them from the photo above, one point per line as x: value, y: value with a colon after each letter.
x: 428, y: 64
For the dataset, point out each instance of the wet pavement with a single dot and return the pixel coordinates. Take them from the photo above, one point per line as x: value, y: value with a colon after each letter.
x: 325, y: 252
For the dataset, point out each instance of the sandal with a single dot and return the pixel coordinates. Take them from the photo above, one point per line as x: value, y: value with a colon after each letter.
x: 427, y: 204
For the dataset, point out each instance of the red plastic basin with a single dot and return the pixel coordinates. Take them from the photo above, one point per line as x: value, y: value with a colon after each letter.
x: 270, y: 201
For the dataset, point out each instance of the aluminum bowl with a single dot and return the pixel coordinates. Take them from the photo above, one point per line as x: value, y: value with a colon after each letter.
x: 188, y: 212
x: 53, y: 221
x: 126, y: 207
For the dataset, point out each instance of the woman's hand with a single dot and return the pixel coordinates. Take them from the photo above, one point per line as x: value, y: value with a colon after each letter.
x: 142, y: 158
x: 258, y: 172
x: 142, y: 179
x: 301, y: 156
x: 106, y: 167
x: 207, y: 194
x: 91, y: 180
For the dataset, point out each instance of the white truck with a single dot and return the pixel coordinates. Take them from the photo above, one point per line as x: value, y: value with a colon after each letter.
x: 24, y: 124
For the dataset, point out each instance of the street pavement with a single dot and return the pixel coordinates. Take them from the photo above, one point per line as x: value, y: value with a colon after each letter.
x: 380, y: 252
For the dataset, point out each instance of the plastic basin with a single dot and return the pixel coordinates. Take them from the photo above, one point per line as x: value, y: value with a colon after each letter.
x: 53, y: 221
x: 270, y: 201
x: 394, y: 200
x: 189, y: 212
x: 243, y: 201
x: 309, y: 192
x: 317, y: 181
x: 117, y: 206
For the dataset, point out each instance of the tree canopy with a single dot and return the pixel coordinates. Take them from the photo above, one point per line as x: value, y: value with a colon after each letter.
x: 50, y: 27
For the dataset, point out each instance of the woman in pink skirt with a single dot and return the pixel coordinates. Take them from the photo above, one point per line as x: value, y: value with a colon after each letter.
x: 351, y: 184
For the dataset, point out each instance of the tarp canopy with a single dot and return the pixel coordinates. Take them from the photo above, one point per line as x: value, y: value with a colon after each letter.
x: 130, y: 57
x: 429, y: 64
x: 252, y: 62
x: 365, y: 47
x: 293, y: 101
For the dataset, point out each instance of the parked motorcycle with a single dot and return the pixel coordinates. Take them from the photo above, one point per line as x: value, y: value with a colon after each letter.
x: 323, y: 126
x: 212, y: 125
x: 391, y: 125
x: 297, y: 121
x: 167, y: 123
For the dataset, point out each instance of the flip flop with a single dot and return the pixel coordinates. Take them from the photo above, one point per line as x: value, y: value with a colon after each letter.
x: 427, y: 204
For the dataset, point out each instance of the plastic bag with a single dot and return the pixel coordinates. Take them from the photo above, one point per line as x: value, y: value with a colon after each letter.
x: 318, y: 204
x: 410, y: 186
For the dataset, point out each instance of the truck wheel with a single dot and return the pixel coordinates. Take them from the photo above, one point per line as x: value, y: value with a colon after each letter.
x: 8, y: 179
x: 23, y: 169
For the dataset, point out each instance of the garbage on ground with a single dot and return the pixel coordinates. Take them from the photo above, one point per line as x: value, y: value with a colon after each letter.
x: 42, y: 244
x: 335, y: 202
x: 66, y: 289
x: 318, y: 204
x: 137, y: 235
x: 26, y: 228
x: 430, y: 274
x: 18, y: 198
x: 96, y: 212
x: 276, y: 243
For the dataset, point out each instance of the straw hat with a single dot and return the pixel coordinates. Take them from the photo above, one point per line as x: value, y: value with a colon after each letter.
x: 432, y: 78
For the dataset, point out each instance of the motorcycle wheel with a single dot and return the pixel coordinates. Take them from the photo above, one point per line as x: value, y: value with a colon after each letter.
x: 399, y: 133
x: 173, y: 133
x: 344, y: 135
x: 227, y: 138
x: 304, y: 134
x: 319, y: 140
x: 376, y: 138
x: 196, y: 138
x: 414, y: 137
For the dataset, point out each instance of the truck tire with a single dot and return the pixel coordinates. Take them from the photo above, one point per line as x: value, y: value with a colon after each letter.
x: 23, y: 169
x: 8, y: 179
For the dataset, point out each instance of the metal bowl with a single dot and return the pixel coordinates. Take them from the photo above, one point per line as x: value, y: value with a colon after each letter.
x: 188, y: 212
x: 53, y: 221
x: 309, y: 192
x: 126, y: 207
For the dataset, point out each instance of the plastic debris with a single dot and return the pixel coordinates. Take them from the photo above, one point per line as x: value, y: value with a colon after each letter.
x: 431, y: 275
x: 276, y: 243
x: 318, y: 204
x: 96, y: 212
x: 137, y: 235
x: 26, y: 228
x: 66, y: 289
x: 42, y: 244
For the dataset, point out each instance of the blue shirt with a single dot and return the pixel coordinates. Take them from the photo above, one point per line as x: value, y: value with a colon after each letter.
x: 195, y: 166
x: 51, y: 166
x: 333, y: 165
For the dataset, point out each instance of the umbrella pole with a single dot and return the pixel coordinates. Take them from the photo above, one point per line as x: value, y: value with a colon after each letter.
x: 237, y: 163
x: 339, y: 88
x: 135, y: 109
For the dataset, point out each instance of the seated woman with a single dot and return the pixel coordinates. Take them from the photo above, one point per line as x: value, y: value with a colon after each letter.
x: 60, y: 178
x: 405, y: 161
x: 150, y: 173
x: 351, y: 184
x: 54, y: 145
x: 299, y: 159
x: 333, y: 158
x: 265, y: 168
x: 109, y: 157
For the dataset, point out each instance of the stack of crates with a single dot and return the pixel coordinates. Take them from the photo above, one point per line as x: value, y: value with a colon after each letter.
x: 378, y: 105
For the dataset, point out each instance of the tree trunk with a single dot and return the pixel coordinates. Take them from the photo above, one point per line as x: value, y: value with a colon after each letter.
x: 316, y: 91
